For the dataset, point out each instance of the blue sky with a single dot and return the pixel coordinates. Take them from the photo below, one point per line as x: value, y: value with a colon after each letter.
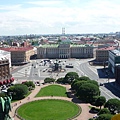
x: 49, y: 16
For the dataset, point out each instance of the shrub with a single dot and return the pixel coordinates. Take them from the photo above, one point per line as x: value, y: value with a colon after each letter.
x: 104, y: 117
x: 104, y: 111
x: 29, y: 84
x: 19, y: 91
x: 49, y: 80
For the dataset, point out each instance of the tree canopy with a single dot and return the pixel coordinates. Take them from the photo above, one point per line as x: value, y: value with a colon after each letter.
x: 85, y: 78
x: 104, y: 111
x: 70, y: 76
x: 104, y: 117
x: 75, y: 85
x: 19, y: 91
x: 29, y: 84
x: 49, y: 80
x: 113, y: 105
x: 88, y: 91
x: 100, y: 101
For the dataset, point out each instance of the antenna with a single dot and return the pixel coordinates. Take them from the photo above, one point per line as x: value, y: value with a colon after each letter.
x: 63, y: 31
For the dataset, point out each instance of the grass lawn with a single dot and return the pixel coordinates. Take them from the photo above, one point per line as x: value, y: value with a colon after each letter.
x: 48, y: 110
x: 55, y: 90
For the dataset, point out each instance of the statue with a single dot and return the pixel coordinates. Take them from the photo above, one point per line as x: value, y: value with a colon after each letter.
x: 5, y: 107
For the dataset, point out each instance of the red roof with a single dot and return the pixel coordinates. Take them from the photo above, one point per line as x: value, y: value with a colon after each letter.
x: 8, y: 81
x: 1, y: 83
x: 106, y: 48
x: 11, y: 79
x: 10, y: 49
x: 5, y: 82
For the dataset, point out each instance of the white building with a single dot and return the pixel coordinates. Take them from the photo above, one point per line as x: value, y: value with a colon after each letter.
x: 5, y: 55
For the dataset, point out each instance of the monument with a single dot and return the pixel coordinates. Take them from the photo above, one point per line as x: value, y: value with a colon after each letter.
x: 5, y: 107
x: 57, y: 66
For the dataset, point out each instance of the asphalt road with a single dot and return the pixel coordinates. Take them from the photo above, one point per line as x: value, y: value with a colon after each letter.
x: 36, y: 71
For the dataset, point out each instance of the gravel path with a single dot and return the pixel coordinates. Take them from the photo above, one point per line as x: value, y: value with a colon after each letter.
x: 85, y: 115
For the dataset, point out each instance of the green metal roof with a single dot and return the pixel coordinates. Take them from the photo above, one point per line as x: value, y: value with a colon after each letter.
x: 49, y: 45
x: 71, y: 45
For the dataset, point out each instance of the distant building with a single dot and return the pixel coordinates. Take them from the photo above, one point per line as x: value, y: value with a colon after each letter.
x: 64, y: 50
x: 19, y: 55
x: 102, y: 54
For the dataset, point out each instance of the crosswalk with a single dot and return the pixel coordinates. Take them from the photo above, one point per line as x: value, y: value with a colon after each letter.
x: 24, y: 72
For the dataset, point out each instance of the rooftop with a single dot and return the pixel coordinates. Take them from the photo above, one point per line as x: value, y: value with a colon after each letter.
x: 49, y: 45
x: 106, y: 48
x: 17, y: 49
x: 3, y: 52
x: 116, y: 52
x: 56, y: 45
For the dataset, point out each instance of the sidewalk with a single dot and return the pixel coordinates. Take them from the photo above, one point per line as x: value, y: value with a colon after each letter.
x: 85, y: 115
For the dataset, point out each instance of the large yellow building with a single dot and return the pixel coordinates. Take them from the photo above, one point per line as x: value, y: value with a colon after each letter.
x: 20, y: 55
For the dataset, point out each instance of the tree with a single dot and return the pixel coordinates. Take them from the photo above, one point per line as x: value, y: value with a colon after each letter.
x: 104, y: 117
x: 29, y: 84
x: 19, y: 91
x: 59, y: 41
x: 70, y: 76
x: 113, y: 105
x: 49, y: 80
x: 88, y: 91
x: 93, y: 82
x: 60, y: 80
x: 77, y: 84
x: 100, y: 101
x: 85, y: 78
x: 104, y: 111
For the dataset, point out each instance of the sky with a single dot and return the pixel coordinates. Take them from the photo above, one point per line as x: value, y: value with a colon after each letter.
x: 21, y: 17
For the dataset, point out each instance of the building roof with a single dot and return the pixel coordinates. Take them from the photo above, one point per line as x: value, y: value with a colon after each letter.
x: 80, y: 45
x: 56, y: 45
x: 49, y: 46
x: 11, y: 49
x: 106, y: 48
x: 116, y: 52
x: 2, y: 54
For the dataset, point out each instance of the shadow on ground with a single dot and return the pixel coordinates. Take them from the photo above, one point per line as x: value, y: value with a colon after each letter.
x: 74, y: 98
x: 103, y: 73
x: 113, y: 87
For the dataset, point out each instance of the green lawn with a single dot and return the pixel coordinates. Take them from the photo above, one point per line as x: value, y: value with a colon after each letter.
x: 48, y: 110
x: 55, y: 90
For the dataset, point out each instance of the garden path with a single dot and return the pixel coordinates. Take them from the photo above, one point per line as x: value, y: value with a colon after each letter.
x: 85, y: 115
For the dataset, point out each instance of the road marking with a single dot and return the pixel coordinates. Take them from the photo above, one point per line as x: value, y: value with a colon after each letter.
x: 93, y: 70
x: 80, y: 70
x: 105, y: 92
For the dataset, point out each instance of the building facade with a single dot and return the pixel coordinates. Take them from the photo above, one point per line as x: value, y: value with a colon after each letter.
x: 5, y: 63
x: 64, y: 51
x: 20, y: 55
x: 114, y: 59
x: 102, y: 54
x: 117, y: 74
x: 7, y: 55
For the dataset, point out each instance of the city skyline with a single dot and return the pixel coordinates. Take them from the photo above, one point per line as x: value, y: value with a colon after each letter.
x: 50, y: 16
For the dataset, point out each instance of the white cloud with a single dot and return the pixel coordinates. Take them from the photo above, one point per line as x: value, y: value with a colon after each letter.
x: 46, y: 3
x: 50, y: 16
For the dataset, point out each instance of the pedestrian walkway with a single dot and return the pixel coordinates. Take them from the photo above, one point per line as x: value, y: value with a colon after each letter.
x: 85, y: 115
